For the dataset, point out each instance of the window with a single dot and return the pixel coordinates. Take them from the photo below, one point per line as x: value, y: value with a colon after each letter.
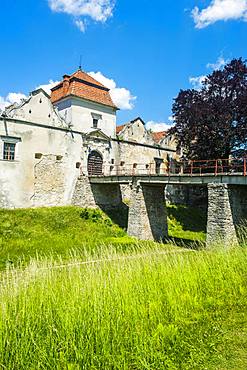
x: 9, y: 151
x: 95, y: 123
x: 38, y: 155
x: 96, y: 118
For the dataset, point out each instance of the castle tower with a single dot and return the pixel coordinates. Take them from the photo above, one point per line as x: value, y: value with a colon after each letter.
x: 85, y: 103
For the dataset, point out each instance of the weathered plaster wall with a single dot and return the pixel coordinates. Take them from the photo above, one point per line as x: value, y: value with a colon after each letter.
x: 37, y: 109
x: 78, y: 113
x: 50, y: 154
x: 135, y: 131
x: 18, y: 177
x: 129, y: 153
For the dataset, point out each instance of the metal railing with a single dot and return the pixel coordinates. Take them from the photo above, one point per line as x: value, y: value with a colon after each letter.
x: 183, y: 168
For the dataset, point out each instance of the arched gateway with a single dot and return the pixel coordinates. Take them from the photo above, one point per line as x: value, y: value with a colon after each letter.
x: 95, y: 163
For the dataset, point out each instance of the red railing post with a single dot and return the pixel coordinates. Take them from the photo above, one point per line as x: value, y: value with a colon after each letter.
x: 216, y: 167
x: 244, y: 166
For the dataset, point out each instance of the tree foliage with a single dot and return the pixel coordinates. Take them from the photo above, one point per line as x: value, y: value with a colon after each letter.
x: 211, y: 123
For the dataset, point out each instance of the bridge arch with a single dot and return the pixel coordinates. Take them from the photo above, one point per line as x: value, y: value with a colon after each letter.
x: 95, y: 163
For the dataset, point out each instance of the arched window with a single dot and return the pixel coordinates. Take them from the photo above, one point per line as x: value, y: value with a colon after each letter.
x: 95, y: 164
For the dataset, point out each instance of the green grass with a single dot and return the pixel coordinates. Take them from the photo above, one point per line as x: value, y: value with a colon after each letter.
x: 78, y: 293
x: 55, y: 232
x: 188, y: 223
x: 176, y: 310
x: 63, y: 231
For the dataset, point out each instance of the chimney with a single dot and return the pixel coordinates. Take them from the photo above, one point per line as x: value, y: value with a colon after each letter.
x: 66, y: 83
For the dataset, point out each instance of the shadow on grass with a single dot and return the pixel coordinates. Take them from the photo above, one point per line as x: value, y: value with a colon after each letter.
x: 118, y: 215
x: 186, y: 243
x: 190, y: 218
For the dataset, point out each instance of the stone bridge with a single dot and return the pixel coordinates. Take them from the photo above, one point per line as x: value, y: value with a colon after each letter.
x: 147, y: 217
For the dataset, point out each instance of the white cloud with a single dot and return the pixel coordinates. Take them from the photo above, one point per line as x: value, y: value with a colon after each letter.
x: 11, y: 98
x: 48, y: 87
x: 197, y: 82
x: 221, y: 62
x: 158, y: 126
x: 98, y: 10
x: 121, y: 97
x: 220, y: 10
x: 80, y: 24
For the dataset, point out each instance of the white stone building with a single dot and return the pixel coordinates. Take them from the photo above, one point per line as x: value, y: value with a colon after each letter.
x: 46, y: 142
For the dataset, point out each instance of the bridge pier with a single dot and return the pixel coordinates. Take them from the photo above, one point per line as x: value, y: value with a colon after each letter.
x: 104, y: 196
x: 227, y: 206
x: 147, y: 212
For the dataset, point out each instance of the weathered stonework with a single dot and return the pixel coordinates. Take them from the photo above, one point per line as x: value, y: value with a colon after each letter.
x: 49, y: 181
x: 226, y: 210
x: 96, y: 195
x: 147, y: 213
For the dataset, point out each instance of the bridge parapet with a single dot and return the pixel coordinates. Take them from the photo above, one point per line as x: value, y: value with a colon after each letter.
x: 192, y: 167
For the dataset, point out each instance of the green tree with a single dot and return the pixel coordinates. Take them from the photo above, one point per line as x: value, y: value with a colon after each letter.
x: 211, y: 123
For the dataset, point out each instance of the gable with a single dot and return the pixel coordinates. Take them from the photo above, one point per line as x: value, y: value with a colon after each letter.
x: 97, y: 134
x: 37, y: 109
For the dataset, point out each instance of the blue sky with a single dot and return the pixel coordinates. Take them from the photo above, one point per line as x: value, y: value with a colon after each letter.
x: 151, y: 49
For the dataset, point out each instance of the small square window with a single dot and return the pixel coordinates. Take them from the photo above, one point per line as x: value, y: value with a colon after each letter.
x: 38, y: 155
x: 9, y: 151
x: 95, y: 123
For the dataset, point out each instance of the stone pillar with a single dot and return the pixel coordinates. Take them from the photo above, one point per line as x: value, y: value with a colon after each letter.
x: 102, y: 196
x: 147, y: 213
x: 227, y: 206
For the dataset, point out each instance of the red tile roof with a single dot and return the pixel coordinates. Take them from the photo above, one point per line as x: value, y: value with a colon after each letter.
x: 82, y: 85
x: 157, y: 136
x: 120, y: 128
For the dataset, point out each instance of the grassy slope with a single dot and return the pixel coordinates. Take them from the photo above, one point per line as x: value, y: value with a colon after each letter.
x: 66, y: 230
x: 53, y: 231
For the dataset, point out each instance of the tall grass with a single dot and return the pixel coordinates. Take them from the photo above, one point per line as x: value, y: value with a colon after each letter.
x: 163, y: 310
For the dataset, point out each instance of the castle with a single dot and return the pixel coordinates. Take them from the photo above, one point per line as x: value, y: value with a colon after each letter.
x: 48, y: 141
